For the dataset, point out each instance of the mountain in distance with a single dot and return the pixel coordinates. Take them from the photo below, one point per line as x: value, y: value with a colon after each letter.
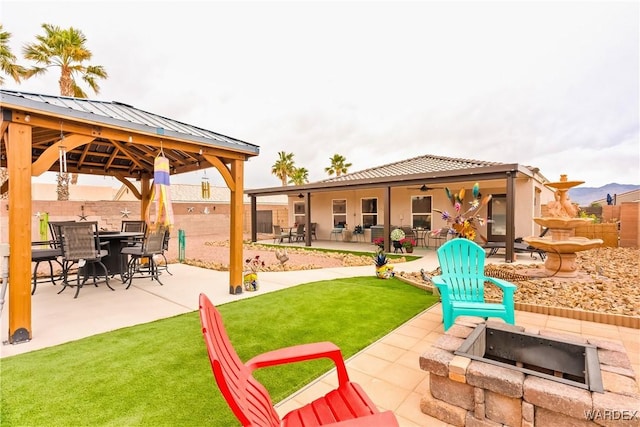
x: 584, y: 196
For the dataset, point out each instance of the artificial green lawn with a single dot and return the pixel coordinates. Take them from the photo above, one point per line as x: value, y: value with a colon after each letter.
x: 158, y: 374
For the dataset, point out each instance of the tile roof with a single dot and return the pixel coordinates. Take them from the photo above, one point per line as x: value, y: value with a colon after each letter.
x: 415, y: 165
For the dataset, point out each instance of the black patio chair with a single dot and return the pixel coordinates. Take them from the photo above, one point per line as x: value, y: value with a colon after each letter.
x: 298, y: 234
x: 133, y: 226
x: 439, y: 238
x: 152, y: 245
x: 81, y: 246
x: 165, y: 247
x: 279, y: 235
x: 44, y: 251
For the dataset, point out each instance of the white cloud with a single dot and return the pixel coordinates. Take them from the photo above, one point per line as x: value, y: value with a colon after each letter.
x: 547, y: 84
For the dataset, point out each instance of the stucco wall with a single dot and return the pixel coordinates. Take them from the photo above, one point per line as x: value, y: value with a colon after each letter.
x: 527, y: 206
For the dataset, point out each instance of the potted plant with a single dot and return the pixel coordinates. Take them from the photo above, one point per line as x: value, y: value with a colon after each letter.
x: 396, y: 236
x: 383, y: 271
x: 408, y: 244
x: 250, y: 273
x: 379, y: 242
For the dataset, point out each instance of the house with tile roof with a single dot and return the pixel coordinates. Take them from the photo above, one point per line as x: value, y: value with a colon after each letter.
x: 407, y: 193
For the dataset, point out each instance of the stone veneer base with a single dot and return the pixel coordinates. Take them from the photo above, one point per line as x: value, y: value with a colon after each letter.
x: 465, y: 392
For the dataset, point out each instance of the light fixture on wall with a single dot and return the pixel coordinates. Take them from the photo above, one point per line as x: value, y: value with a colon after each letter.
x: 300, y: 196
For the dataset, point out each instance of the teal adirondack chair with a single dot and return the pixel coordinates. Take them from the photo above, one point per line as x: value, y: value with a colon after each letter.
x: 461, y: 284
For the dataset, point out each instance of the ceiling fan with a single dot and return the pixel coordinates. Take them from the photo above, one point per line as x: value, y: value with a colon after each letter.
x: 424, y: 188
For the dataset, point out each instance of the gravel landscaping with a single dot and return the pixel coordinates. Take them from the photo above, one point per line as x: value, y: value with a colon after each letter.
x: 608, y: 282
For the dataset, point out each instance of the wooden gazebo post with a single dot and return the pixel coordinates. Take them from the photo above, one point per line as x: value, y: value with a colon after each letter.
x: 19, y: 164
x: 234, y: 178
x: 235, y: 243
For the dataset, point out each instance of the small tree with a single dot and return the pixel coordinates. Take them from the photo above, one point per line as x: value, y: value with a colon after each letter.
x: 8, y: 59
x: 300, y: 176
x: 338, y: 166
x: 283, y: 167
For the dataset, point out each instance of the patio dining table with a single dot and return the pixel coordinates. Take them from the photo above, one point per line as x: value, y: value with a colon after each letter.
x: 115, y: 262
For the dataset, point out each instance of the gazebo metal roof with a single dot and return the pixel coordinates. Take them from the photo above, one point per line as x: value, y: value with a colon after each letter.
x: 122, y: 150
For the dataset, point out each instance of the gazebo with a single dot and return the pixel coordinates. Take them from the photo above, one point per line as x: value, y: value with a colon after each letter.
x: 101, y: 138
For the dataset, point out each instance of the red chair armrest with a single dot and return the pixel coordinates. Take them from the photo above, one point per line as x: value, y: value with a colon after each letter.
x: 299, y: 353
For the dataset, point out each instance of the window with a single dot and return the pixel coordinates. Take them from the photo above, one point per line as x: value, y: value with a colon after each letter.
x: 369, y: 212
x: 339, y: 211
x: 299, y: 214
x: 421, y: 212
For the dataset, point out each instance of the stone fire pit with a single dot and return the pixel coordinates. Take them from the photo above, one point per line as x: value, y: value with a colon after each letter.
x: 468, y: 392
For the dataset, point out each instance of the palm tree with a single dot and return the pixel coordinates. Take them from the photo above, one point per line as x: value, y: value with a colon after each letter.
x: 300, y: 176
x: 8, y: 59
x: 338, y: 165
x: 65, y: 49
x: 283, y: 167
x: 9, y: 67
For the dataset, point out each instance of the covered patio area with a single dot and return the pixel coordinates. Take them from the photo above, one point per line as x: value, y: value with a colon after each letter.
x: 41, y: 133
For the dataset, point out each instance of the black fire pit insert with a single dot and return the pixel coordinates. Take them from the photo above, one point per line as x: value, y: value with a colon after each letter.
x: 561, y: 361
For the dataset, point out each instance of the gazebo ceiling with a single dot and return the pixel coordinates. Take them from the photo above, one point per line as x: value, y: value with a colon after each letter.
x: 111, y: 138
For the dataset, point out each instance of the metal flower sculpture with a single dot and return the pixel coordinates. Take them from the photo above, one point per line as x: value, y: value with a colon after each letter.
x: 464, y: 223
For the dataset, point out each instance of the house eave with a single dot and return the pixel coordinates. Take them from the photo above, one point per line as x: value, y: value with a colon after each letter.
x: 431, y: 178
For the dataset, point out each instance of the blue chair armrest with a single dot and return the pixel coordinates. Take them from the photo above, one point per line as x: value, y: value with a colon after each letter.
x: 502, y: 284
x: 443, y: 287
x: 507, y: 291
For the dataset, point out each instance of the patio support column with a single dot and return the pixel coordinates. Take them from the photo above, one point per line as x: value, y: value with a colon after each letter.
x: 510, y: 220
x: 19, y: 163
x: 386, y: 202
x: 237, y: 210
x: 307, y: 214
x: 254, y: 219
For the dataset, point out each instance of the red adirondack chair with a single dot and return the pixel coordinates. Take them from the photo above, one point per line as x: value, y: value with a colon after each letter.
x: 348, y: 405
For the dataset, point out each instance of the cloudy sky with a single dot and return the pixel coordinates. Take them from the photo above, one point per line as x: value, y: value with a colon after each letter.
x: 547, y: 84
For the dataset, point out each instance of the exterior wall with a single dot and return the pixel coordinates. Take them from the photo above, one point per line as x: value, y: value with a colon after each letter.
x: 528, y: 205
x: 41, y: 191
x: 109, y: 215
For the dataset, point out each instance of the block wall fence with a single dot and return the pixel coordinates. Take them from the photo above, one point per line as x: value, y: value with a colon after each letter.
x: 204, y: 219
x: 618, y: 227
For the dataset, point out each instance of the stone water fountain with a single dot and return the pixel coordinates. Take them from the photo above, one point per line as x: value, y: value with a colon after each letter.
x: 561, y: 221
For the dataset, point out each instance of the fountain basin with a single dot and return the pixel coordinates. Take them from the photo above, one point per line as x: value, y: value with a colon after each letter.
x: 562, y: 246
x: 561, y: 223
x: 567, y: 246
x: 561, y: 254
